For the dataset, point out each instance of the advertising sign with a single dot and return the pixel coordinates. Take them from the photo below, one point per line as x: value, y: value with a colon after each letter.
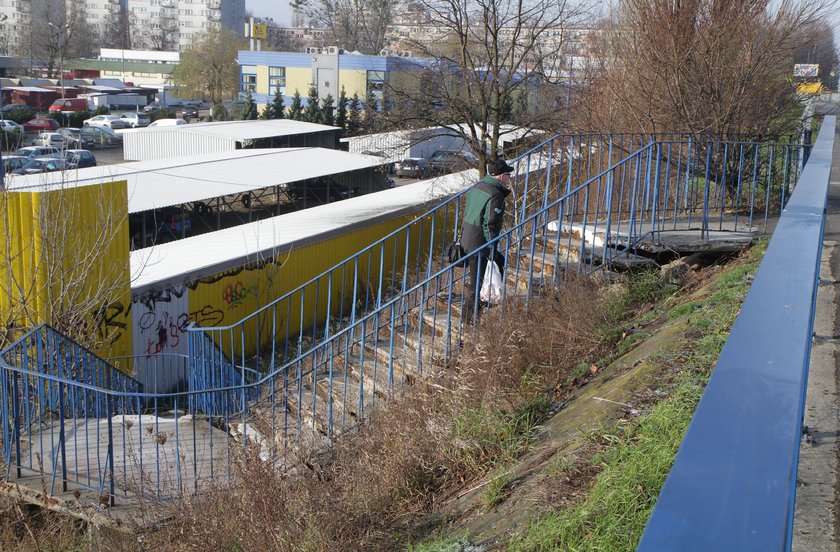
x: 806, y: 70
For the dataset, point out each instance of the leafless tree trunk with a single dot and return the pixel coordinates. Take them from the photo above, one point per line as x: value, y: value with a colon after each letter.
x: 352, y: 24
x: 492, y: 62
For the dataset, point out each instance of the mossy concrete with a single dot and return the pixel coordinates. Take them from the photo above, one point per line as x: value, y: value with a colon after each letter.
x: 615, y: 392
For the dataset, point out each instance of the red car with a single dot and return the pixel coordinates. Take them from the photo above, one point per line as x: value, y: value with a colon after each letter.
x: 40, y: 124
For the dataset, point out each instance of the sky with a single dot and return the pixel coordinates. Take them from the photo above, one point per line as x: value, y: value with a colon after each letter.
x: 276, y: 9
x: 281, y: 13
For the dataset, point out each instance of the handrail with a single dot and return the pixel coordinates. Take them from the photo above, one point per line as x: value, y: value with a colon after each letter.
x: 733, y: 482
x: 631, y: 195
x: 338, y: 334
x: 442, y: 205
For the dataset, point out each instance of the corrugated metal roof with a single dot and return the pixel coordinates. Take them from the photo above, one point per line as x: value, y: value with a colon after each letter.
x: 106, y: 89
x: 176, y: 181
x: 29, y: 89
x: 184, y: 260
x: 249, y: 130
x: 198, y: 138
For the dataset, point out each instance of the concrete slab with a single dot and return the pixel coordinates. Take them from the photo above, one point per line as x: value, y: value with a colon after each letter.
x: 815, y: 526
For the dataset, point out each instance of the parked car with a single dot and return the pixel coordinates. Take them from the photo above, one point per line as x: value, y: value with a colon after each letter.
x: 390, y: 167
x: 108, y: 121
x: 36, y: 151
x: 44, y: 164
x: 19, y: 111
x: 187, y: 113
x: 41, y: 124
x: 73, y: 138
x: 167, y: 122
x: 10, y: 126
x: 80, y: 158
x: 11, y: 163
x: 101, y: 136
x: 193, y: 103
x: 135, y: 120
x: 54, y: 139
x: 443, y: 162
x: 414, y: 167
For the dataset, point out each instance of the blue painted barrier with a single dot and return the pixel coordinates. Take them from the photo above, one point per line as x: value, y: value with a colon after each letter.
x: 732, y: 486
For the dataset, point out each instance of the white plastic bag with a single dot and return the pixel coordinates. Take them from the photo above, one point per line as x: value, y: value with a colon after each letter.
x: 491, y: 287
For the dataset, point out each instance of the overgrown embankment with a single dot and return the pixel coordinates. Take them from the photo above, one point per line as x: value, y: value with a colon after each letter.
x: 519, y: 444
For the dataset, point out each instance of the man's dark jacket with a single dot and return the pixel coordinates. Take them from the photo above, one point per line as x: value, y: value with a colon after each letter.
x: 484, y: 213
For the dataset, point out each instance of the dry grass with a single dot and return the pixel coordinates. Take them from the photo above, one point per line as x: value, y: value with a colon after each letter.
x: 369, y: 490
x: 25, y: 528
x: 370, y: 487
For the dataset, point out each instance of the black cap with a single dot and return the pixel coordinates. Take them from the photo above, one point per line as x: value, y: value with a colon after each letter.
x: 497, y: 167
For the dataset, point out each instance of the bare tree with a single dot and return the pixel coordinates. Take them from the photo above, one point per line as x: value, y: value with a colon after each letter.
x: 816, y: 45
x: 117, y: 29
x: 721, y: 66
x: 491, y: 62
x: 352, y: 24
x: 208, y: 68
x: 57, y: 30
x: 70, y: 270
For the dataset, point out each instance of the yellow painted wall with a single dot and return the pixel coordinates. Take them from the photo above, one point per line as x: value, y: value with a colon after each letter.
x: 236, y: 293
x: 354, y: 82
x: 297, y: 78
x: 67, y: 251
x: 262, y: 79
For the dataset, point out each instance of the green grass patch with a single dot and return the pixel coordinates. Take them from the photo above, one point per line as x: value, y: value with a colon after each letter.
x: 496, y: 491
x: 502, y: 436
x: 444, y: 544
x: 633, y: 469
x: 638, y: 454
x: 579, y: 370
x: 631, y: 341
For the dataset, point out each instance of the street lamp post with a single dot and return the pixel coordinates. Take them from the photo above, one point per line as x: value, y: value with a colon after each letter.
x: 60, y: 30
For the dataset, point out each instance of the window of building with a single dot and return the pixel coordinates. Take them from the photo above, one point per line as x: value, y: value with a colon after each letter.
x: 248, y: 78
x: 376, y: 84
x: 276, y: 80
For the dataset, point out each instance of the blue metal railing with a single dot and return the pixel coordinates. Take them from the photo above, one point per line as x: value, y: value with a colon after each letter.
x: 693, y: 177
x: 733, y: 483
x: 35, y: 408
x: 330, y: 378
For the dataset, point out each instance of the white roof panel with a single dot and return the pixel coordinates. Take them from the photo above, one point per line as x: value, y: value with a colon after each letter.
x: 30, y: 89
x: 163, y: 182
x: 246, y: 130
x: 187, y: 259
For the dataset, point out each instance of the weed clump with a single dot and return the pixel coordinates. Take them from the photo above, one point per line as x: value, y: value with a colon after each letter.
x: 453, y: 426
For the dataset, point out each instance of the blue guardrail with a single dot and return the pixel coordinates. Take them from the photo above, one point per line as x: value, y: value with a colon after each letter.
x: 733, y: 483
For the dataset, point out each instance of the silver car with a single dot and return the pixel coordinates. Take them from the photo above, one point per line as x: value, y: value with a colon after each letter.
x: 109, y: 121
x: 135, y: 120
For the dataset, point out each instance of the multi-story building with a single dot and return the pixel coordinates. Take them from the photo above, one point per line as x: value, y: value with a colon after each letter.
x: 172, y: 24
x: 15, y: 17
x: 329, y: 69
x: 295, y: 39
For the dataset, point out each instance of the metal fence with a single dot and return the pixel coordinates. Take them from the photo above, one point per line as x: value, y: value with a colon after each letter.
x: 733, y: 482
x: 332, y: 349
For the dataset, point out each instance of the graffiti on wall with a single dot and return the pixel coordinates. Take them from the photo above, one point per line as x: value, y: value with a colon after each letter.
x: 234, y: 294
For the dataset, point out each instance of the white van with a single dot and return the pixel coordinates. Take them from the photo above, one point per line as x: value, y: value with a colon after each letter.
x: 167, y: 122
